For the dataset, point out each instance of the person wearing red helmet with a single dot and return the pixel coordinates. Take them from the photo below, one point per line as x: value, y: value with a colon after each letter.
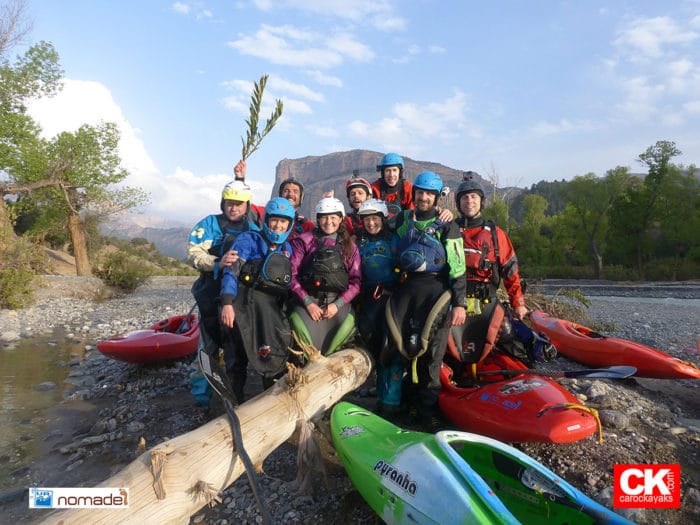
x: 357, y: 190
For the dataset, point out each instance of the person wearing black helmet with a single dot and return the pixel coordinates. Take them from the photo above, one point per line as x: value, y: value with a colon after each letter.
x: 490, y: 258
x: 290, y: 189
x: 430, y: 297
x: 357, y: 190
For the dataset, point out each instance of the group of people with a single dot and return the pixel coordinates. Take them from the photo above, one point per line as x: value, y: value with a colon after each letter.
x: 396, y: 272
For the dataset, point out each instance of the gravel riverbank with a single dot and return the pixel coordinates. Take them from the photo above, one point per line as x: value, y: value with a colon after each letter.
x: 116, y: 404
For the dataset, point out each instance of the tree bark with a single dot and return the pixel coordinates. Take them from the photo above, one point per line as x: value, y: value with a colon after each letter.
x: 174, y: 479
x: 77, y: 236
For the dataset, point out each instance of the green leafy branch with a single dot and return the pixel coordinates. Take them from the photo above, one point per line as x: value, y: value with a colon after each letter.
x: 253, y: 136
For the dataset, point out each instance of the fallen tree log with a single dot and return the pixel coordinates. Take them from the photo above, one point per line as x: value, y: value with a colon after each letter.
x: 173, y: 480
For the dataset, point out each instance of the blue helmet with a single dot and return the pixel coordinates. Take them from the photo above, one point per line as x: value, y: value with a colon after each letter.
x: 390, y: 159
x: 278, y: 207
x: 428, y: 181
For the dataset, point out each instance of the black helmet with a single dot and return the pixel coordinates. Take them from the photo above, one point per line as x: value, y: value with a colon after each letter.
x: 292, y: 180
x: 470, y: 184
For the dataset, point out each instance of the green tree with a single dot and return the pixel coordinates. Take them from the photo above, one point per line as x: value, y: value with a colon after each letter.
x: 70, y: 176
x: 679, y: 219
x: 533, y: 248
x: 591, y: 199
x: 639, y: 206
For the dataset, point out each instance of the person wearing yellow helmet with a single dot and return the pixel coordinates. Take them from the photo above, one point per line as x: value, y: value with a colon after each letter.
x: 209, y: 251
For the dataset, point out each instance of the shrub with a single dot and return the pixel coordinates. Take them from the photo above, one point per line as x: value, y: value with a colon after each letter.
x: 18, y: 266
x: 122, y: 271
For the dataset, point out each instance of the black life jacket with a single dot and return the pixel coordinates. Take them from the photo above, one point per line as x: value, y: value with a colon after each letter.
x: 326, y: 271
x: 271, y: 274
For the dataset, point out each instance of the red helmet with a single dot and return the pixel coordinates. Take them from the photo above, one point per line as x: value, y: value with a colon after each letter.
x: 358, y: 182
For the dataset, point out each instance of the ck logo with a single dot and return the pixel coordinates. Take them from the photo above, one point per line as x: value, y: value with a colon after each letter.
x: 657, y: 486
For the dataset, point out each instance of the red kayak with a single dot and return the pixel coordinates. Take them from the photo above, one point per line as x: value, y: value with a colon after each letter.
x: 169, y: 339
x: 518, y: 409
x: 583, y: 345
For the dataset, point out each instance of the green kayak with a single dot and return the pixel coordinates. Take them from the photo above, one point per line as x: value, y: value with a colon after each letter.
x: 453, y: 477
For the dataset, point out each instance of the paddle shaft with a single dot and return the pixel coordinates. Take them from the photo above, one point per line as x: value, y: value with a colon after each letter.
x: 222, y: 389
x: 612, y: 372
x: 185, y: 319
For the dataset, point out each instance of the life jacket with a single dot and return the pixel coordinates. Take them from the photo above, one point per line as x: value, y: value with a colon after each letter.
x: 377, y: 261
x: 326, y: 271
x: 271, y: 274
x: 229, y: 233
x: 422, y: 251
x: 481, y: 256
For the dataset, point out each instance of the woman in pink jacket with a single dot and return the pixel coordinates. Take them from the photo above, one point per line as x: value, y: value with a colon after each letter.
x: 326, y: 275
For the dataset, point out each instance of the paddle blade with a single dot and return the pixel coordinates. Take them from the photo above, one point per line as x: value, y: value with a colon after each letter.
x: 215, y: 377
x: 612, y: 372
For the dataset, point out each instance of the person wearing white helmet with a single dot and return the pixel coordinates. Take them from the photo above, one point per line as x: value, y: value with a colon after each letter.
x: 378, y: 246
x: 209, y: 251
x: 326, y: 275
x: 254, y: 292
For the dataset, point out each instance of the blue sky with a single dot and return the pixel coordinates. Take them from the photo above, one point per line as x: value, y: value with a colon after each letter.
x: 518, y: 91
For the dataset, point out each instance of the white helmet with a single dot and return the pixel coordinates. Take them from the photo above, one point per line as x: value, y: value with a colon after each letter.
x: 373, y: 207
x: 330, y: 205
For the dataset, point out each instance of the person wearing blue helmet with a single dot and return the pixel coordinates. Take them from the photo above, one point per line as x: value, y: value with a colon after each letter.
x: 430, y: 298
x: 253, y: 295
x: 391, y: 186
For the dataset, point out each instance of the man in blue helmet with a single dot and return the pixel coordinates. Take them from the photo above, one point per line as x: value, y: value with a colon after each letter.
x: 391, y: 186
x: 253, y: 297
x: 430, y: 297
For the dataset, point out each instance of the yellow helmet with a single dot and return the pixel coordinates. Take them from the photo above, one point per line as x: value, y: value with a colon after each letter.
x: 237, y: 191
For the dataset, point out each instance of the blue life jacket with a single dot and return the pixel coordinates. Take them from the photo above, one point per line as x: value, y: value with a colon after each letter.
x: 422, y: 251
x: 377, y: 262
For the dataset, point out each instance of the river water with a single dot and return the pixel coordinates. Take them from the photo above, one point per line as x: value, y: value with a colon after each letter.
x: 23, y: 402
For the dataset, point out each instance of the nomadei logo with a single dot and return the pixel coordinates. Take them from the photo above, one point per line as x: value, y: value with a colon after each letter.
x: 647, y: 485
x: 79, y: 498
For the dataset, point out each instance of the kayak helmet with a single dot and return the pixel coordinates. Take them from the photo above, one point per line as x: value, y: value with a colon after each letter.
x: 428, y: 181
x: 292, y: 180
x: 391, y: 159
x: 330, y: 205
x: 470, y: 184
x: 236, y: 191
x: 278, y: 207
x: 373, y: 207
x: 358, y: 182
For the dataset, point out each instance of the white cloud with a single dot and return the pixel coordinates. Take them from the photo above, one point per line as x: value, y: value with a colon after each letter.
x: 323, y: 79
x: 291, y: 46
x: 648, y: 37
x: 563, y: 126
x: 182, y: 8
x: 323, y: 131
x: 182, y: 194
x: 87, y: 102
x: 412, y: 127
x: 378, y: 13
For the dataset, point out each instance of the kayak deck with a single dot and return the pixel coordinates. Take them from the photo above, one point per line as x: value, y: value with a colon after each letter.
x: 168, y: 339
x: 583, y: 345
x: 453, y: 477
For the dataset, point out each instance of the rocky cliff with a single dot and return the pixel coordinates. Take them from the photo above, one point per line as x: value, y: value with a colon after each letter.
x: 330, y: 172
